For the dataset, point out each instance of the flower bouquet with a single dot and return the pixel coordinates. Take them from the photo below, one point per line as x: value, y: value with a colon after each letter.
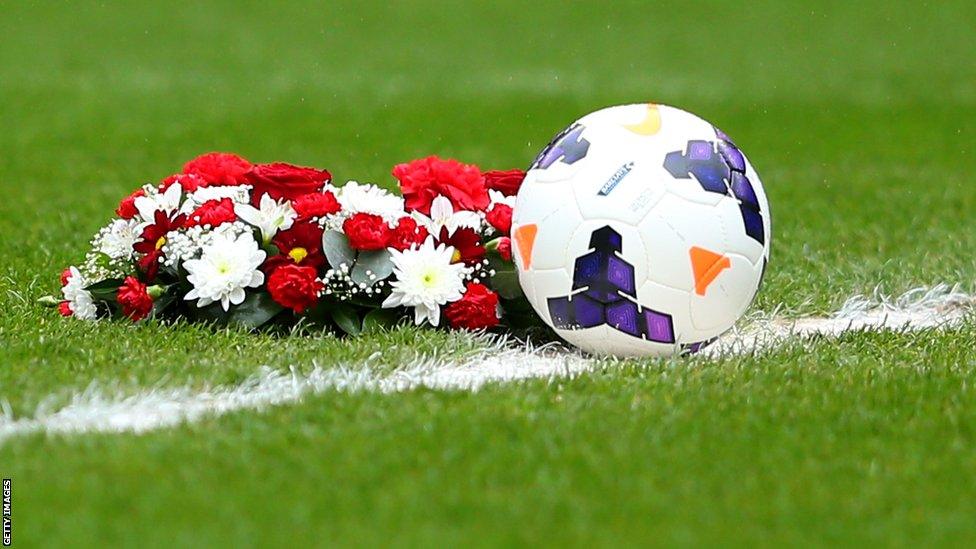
x: 231, y: 242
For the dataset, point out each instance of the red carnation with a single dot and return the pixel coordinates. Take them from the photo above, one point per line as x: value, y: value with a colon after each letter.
x: 467, y: 245
x: 367, y: 232
x: 299, y: 245
x: 65, y: 277
x: 312, y: 205
x: 421, y: 181
x: 127, y: 208
x: 64, y: 308
x: 295, y: 287
x: 407, y: 233
x: 280, y: 180
x: 476, y: 310
x: 134, y: 298
x: 506, y: 182
x: 213, y: 213
x: 500, y: 217
x: 505, y: 248
x: 218, y: 168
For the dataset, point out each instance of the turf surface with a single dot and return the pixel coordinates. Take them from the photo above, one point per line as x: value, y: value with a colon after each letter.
x: 856, y: 116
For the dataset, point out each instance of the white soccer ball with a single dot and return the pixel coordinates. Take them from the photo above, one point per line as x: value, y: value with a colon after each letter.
x: 641, y: 230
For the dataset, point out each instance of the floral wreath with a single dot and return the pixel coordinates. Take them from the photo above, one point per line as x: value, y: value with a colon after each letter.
x: 231, y: 242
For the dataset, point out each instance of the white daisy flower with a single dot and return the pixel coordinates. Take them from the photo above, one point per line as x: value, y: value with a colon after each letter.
x: 355, y: 197
x: 79, y: 300
x: 425, y: 280
x: 116, y: 239
x: 167, y: 201
x: 270, y: 217
x: 442, y: 214
x: 225, y: 268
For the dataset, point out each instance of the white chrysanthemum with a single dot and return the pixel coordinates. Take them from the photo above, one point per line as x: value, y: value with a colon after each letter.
x: 79, y: 300
x: 272, y: 216
x: 239, y: 194
x: 168, y: 201
x: 442, y: 214
x: 116, y: 239
x: 355, y: 197
x: 425, y: 280
x: 225, y: 268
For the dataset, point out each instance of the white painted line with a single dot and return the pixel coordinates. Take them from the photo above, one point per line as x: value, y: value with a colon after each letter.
x: 95, y: 411
x: 918, y: 309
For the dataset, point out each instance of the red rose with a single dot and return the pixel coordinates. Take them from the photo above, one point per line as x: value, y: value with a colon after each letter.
x: 218, y: 168
x: 477, y: 309
x: 312, y: 205
x: 189, y: 182
x: 407, y: 233
x: 367, y: 232
x: 213, y: 213
x: 134, y: 298
x: 466, y: 243
x: 295, y: 287
x: 299, y: 245
x: 500, y: 217
x: 64, y: 308
x: 280, y: 180
x: 505, y: 248
x: 127, y: 208
x: 506, y: 182
x: 421, y: 181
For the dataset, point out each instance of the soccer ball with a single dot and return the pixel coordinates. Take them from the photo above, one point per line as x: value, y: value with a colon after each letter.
x: 641, y: 230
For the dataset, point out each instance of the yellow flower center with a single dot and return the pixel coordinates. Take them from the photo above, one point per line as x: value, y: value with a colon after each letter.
x: 298, y: 254
x: 429, y: 279
x: 161, y: 242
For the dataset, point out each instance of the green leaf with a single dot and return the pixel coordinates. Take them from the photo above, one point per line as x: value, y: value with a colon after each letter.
x: 105, y: 289
x: 337, y: 250
x: 378, y: 320
x: 256, y: 310
x: 161, y: 303
x: 505, y: 281
x: 48, y: 301
x: 377, y: 262
x: 347, y: 320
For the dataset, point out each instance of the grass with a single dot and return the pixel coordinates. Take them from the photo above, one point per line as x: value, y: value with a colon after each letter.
x: 854, y: 115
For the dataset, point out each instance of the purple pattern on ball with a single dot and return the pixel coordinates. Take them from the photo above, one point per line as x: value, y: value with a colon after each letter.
x: 623, y: 316
x: 588, y: 311
x: 659, y: 326
x: 569, y: 146
x: 721, y: 171
x: 604, y: 292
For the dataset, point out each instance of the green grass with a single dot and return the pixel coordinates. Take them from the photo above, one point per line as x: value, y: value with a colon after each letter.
x: 857, y: 117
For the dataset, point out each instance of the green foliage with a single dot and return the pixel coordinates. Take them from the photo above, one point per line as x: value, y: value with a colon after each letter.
x: 336, y: 248
x: 255, y: 311
x: 346, y: 318
x: 377, y: 262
